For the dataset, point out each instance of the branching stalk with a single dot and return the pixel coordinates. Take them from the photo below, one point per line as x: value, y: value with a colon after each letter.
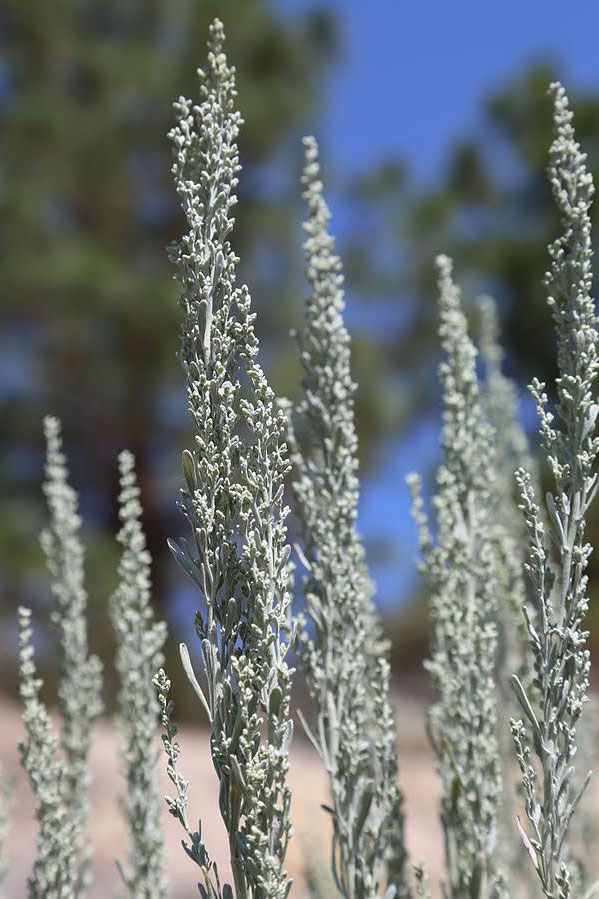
x: 80, y: 674
x: 139, y: 654
x: 355, y: 733
x: 233, y: 500
x: 460, y: 569
x: 556, y: 622
x: 55, y: 873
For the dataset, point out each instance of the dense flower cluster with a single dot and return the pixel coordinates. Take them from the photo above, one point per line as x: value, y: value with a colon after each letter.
x: 233, y: 499
x: 460, y: 567
x: 139, y: 654
x: 55, y: 873
x: 555, y: 622
x: 350, y: 689
x: 80, y: 674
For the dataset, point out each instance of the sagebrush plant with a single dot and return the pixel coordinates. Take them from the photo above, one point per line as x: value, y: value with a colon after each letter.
x: 233, y: 501
x: 486, y: 624
x: 139, y: 653
x: 55, y: 873
x: 79, y: 673
x: 350, y: 689
x: 511, y: 451
x: 460, y: 568
x: 555, y: 621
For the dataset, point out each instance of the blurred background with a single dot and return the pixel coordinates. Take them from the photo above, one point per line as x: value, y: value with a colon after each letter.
x: 434, y: 126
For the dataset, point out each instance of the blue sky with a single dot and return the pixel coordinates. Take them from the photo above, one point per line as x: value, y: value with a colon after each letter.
x: 408, y: 81
x: 411, y: 73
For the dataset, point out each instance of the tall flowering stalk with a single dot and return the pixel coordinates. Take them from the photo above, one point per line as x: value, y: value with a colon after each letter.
x: 139, y: 654
x: 347, y: 677
x: 556, y: 622
x: 459, y: 568
x: 55, y: 873
x: 499, y: 398
x: 233, y: 501
x: 80, y: 678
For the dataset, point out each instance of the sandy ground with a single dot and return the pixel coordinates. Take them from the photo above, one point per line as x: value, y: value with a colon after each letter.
x: 311, y: 824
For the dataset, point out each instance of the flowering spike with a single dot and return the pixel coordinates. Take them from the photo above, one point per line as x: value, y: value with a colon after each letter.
x: 460, y: 570
x: 55, y: 871
x: 499, y: 398
x: 139, y: 655
x: 350, y: 689
x: 80, y: 674
x: 556, y: 623
x: 233, y: 498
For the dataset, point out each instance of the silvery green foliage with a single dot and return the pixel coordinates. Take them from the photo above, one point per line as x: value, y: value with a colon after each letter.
x: 499, y: 398
x: 139, y: 653
x: 511, y: 451
x: 459, y: 569
x: 55, y: 873
x: 555, y: 624
x: 355, y: 732
x: 195, y: 848
x: 80, y: 682
x: 6, y: 803
x: 233, y: 498
x: 500, y: 402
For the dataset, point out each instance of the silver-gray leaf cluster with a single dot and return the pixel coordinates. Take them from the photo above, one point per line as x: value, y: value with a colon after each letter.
x: 79, y: 673
x: 139, y: 654
x: 558, y: 555
x: 355, y: 730
x: 233, y: 500
x: 56, y: 871
x: 511, y: 451
x: 459, y: 569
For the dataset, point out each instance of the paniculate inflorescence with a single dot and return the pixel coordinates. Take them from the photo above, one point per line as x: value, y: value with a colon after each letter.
x: 80, y: 674
x: 55, y: 873
x: 555, y: 622
x: 139, y: 653
x: 459, y: 569
x: 499, y: 400
x: 350, y: 689
x: 233, y: 501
